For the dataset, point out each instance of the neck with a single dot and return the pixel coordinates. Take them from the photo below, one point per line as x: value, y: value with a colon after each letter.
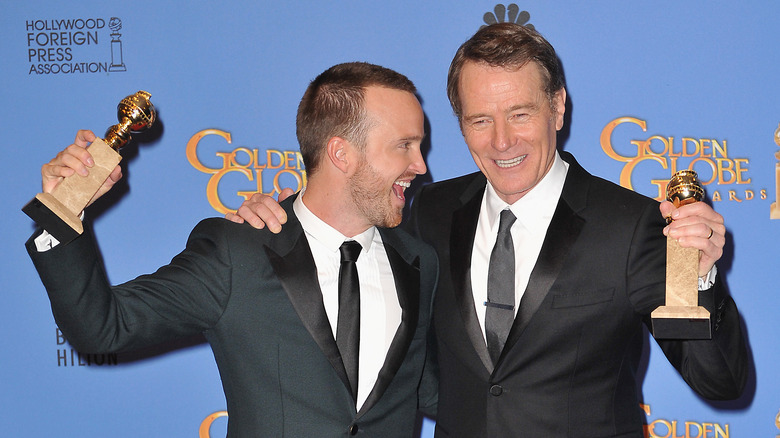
x: 333, y: 205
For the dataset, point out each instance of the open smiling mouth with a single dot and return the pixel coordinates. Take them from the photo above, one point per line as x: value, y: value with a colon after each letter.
x: 399, y: 187
x: 510, y: 163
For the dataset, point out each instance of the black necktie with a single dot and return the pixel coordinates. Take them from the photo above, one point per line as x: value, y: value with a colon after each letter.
x: 348, y: 326
x: 500, y: 305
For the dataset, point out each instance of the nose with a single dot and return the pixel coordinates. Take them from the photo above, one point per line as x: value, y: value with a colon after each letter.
x: 502, y: 137
x: 418, y: 163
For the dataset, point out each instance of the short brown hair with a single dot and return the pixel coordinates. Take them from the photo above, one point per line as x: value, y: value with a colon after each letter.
x: 332, y: 106
x: 506, y: 45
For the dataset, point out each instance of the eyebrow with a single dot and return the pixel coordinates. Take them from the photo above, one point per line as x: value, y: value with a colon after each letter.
x: 519, y: 106
x: 528, y: 105
x: 412, y: 138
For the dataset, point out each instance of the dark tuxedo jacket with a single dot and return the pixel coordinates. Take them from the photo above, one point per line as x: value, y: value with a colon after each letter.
x: 256, y: 297
x: 570, y: 362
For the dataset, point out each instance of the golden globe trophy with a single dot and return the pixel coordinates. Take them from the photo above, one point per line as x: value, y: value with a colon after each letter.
x: 58, y: 212
x: 682, y: 317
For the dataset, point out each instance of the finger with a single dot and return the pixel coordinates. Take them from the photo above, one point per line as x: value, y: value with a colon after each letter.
x: 55, y: 170
x: 112, y: 179
x: 692, y: 214
x: 115, y: 174
x: 259, y: 216
x: 84, y: 137
x: 708, y: 257
x: 284, y: 194
x: 666, y: 208
x: 696, y: 226
x: 697, y: 209
x: 234, y: 218
x: 77, y: 158
x: 73, y: 159
x: 708, y: 241
x: 279, y: 215
x: 695, y: 235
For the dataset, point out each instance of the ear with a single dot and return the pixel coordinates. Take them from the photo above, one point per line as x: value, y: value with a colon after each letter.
x: 559, y: 103
x: 338, y: 154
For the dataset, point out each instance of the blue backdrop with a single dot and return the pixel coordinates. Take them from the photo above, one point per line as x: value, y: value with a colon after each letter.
x: 653, y: 86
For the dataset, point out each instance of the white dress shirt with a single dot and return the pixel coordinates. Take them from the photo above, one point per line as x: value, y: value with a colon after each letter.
x: 533, y: 211
x: 380, y: 311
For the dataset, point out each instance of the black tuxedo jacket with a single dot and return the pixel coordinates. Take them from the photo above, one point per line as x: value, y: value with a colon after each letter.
x: 569, y: 365
x: 256, y: 297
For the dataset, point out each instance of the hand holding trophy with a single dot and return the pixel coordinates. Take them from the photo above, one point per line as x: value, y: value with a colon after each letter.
x: 58, y: 212
x: 682, y: 317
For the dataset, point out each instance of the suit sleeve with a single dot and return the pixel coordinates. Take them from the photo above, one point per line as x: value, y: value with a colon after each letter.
x: 716, y: 368
x: 182, y: 298
x: 428, y: 391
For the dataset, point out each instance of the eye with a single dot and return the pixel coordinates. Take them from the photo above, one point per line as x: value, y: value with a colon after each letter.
x: 480, y: 123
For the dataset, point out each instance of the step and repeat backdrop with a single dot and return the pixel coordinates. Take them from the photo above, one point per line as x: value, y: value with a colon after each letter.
x: 653, y: 87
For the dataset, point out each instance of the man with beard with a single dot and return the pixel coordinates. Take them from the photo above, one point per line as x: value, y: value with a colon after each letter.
x: 545, y: 340
x: 308, y: 341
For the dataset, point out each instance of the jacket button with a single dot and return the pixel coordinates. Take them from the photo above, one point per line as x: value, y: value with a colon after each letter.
x: 353, y: 430
x: 496, y: 390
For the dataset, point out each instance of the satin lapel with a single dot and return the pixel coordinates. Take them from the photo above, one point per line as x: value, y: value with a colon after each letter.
x: 562, y: 233
x: 464, y: 227
x: 407, y: 286
x: 295, y: 269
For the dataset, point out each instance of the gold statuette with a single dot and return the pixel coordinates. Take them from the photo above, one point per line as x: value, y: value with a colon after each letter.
x: 58, y: 212
x: 682, y: 317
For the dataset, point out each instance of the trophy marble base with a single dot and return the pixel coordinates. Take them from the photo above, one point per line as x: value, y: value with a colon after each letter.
x: 681, y: 322
x: 51, y: 215
x: 58, y: 212
x: 681, y: 317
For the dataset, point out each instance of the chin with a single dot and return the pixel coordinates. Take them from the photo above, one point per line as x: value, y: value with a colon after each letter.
x: 392, y: 220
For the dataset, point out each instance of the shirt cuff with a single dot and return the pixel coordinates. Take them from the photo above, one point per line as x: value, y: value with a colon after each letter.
x: 708, y: 280
x: 46, y: 241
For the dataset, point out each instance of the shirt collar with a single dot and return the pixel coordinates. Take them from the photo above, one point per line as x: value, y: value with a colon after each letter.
x: 328, y: 236
x: 536, y: 207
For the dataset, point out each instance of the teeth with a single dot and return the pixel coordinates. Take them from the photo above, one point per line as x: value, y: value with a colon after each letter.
x: 404, y: 184
x: 510, y: 163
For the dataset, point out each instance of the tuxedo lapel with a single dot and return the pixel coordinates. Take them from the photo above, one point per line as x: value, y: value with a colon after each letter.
x: 291, y: 260
x: 562, y: 233
x: 464, y: 227
x: 406, y: 274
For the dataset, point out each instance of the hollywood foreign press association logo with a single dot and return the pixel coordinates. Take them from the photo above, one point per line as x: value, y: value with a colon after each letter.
x: 74, y: 45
